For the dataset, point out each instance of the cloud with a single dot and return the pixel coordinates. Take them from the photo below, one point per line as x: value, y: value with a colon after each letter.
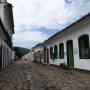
x: 25, y: 45
x: 77, y: 8
x: 36, y: 20
x: 36, y: 12
x: 47, y: 13
x: 23, y: 37
x: 30, y: 36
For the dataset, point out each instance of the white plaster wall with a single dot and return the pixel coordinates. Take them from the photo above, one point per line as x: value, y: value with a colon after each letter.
x: 6, y: 56
x: 58, y: 61
x: 2, y: 12
x: 81, y: 63
x: 13, y: 55
x: 30, y: 56
x: 2, y: 35
x: 5, y: 18
x: 73, y: 35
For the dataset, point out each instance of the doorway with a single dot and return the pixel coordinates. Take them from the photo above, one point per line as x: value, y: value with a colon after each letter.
x: 45, y: 56
x: 70, y: 56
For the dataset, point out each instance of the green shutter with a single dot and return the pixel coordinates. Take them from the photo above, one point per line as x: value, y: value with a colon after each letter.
x: 51, y: 52
x: 61, y: 51
x: 84, y: 47
x: 55, y: 52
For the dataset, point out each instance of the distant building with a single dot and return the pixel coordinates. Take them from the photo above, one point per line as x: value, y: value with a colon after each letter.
x: 6, y: 31
x: 38, y: 53
x: 13, y: 55
x: 28, y: 56
x: 70, y: 46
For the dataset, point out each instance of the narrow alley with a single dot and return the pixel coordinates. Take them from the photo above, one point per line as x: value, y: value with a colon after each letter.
x: 24, y: 75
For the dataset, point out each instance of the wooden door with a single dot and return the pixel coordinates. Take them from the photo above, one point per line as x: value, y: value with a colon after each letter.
x: 70, y: 57
x: 45, y: 56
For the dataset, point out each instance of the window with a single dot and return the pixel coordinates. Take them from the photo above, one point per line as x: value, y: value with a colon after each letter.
x: 84, y: 47
x: 61, y: 51
x: 51, y: 52
x: 55, y: 52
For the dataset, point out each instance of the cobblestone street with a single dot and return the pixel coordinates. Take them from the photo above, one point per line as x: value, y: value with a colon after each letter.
x: 23, y: 75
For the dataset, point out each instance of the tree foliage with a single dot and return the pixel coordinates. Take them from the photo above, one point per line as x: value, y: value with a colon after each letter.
x: 19, y: 51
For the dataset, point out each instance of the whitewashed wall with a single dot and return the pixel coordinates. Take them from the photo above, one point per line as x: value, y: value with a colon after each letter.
x: 30, y: 56
x: 5, y: 18
x: 6, y: 54
x: 73, y: 34
x: 13, y: 55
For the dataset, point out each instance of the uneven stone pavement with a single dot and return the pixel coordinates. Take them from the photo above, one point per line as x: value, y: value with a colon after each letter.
x: 24, y: 75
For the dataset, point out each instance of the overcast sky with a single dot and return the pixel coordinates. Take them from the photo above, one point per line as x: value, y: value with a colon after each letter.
x: 37, y: 20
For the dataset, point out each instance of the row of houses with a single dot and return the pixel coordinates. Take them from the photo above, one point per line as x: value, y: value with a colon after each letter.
x: 28, y: 56
x: 6, y: 31
x: 71, y: 46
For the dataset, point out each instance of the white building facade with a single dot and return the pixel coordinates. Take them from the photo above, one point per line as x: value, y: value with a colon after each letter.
x: 71, y: 46
x: 6, y: 31
x: 30, y: 55
x: 37, y: 52
x: 13, y: 55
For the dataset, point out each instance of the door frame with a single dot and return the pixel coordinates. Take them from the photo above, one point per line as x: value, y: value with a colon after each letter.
x: 45, y: 56
x: 70, y: 59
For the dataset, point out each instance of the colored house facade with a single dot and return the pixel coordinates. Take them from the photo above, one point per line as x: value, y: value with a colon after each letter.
x: 6, y: 31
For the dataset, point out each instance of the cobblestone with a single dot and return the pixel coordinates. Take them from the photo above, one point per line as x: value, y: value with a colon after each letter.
x: 24, y: 75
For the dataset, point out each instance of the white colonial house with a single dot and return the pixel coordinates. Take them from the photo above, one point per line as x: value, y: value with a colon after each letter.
x: 38, y: 53
x: 30, y: 55
x: 70, y: 46
x: 6, y: 31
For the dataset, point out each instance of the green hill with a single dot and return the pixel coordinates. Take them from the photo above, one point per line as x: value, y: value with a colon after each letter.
x: 19, y: 51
